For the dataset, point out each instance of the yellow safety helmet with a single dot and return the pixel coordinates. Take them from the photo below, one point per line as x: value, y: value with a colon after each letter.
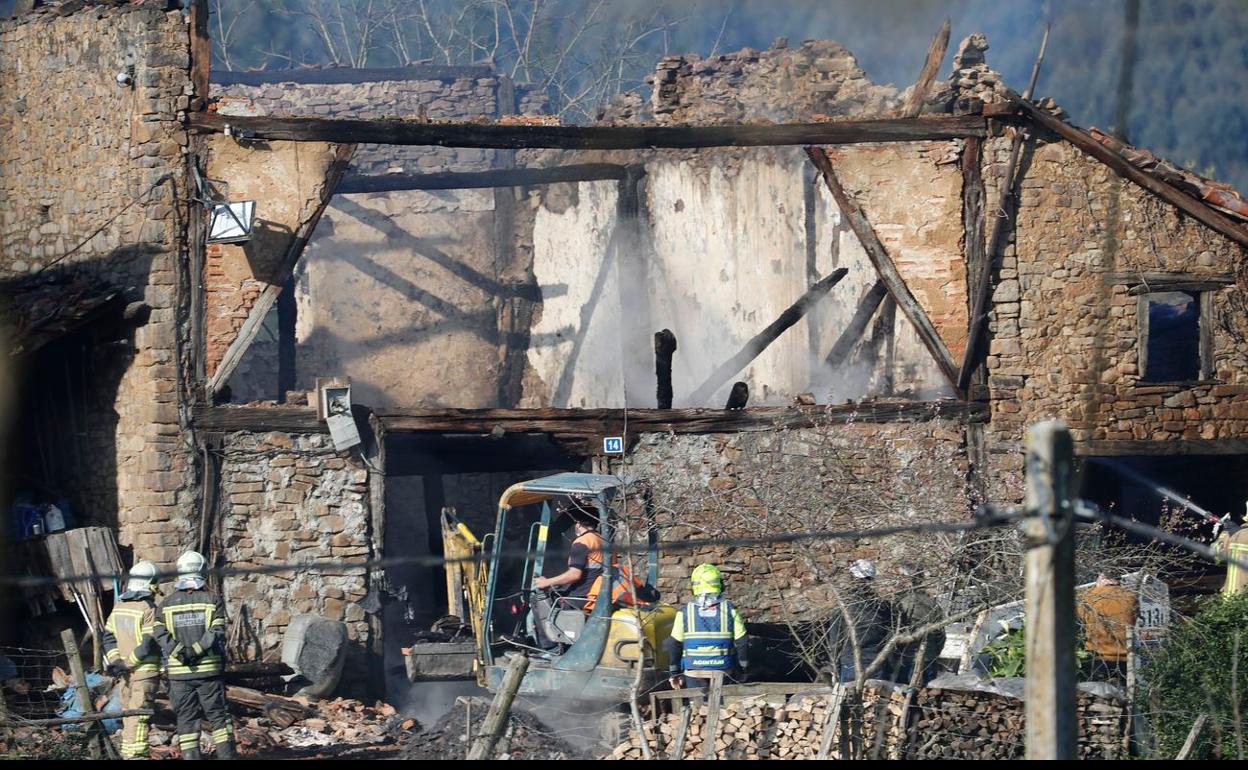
x: 706, y: 579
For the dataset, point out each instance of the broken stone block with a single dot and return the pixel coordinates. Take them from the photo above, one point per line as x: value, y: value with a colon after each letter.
x: 315, y: 649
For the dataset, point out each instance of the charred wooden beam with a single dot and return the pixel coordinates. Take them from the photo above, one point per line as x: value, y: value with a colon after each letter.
x: 1109, y: 448
x: 931, y: 66
x: 493, y: 136
x: 201, y: 53
x: 739, y: 396
x: 590, y: 424
x: 973, y: 224
x: 871, y: 299
x: 883, y: 263
x: 760, y: 341
x: 465, y: 180
x: 664, y: 348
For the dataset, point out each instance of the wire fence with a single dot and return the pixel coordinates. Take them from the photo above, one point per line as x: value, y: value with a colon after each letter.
x: 34, y: 681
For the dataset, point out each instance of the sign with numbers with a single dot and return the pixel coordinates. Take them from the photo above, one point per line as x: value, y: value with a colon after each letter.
x: 613, y: 445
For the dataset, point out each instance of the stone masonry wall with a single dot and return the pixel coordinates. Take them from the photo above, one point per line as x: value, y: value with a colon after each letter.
x: 1064, y: 330
x: 81, y: 153
x: 291, y: 498
x: 837, y: 476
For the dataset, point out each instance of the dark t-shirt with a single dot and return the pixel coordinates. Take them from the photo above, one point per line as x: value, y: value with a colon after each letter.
x: 579, y: 557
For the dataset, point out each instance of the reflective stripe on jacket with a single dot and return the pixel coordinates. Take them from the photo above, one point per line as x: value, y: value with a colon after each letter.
x: 194, y: 618
x: 128, y: 636
x: 708, y: 637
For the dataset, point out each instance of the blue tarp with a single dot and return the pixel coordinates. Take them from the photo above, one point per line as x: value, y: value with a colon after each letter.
x: 69, y: 702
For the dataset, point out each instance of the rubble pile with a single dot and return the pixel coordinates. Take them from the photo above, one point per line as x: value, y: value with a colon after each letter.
x: 337, y: 726
x: 972, y: 78
x: 525, y: 738
x: 819, y: 78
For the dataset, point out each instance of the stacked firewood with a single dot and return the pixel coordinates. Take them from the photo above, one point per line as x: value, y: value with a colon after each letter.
x: 953, y: 724
x: 753, y: 728
x: 932, y: 723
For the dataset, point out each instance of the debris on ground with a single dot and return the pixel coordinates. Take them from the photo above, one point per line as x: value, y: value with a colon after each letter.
x: 337, y: 727
x: 525, y: 738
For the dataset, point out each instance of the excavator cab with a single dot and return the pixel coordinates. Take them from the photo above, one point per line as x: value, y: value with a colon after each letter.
x: 596, y: 654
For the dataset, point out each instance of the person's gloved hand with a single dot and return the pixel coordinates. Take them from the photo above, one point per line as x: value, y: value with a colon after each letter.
x: 676, y: 681
x: 184, y: 654
x: 117, y: 669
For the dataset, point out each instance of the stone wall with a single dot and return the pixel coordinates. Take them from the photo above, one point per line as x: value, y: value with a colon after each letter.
x: 817, y: 78
x: 838, y: 476
x: 81, y: 163
x: 1064, y: 329
x: 291, y: 498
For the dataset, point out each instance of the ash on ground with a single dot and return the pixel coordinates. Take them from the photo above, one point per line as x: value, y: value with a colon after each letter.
x: 525, y: 738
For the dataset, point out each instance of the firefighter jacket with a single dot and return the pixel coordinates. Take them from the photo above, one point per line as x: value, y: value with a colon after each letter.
x: 709, y: 636
x: 1234, y: 545
x: 192, y: 620
x: 129, y: 635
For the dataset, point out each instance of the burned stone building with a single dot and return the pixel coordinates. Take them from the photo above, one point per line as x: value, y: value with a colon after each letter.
x: 492, y: 282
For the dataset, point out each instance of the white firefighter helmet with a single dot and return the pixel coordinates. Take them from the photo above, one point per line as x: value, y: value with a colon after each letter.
x: 142, y: 577
x: 191, y: 567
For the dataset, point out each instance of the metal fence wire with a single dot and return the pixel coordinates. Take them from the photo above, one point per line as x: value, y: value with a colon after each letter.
x: 33, y: 682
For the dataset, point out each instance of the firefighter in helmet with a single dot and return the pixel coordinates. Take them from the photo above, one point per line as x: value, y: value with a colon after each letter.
x: 709, y: 634
x: 190, y: 626
x: 132, y: 654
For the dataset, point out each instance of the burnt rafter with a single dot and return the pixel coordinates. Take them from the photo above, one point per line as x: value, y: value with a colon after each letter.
x: 499, y: 177
x: 874, y: 247
x: 592, y: 425
x: 511, y: 136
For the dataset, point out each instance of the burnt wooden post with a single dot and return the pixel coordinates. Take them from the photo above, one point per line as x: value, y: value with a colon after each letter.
x: 867, y: 305
x: 1049, y: 575
x: 664, y: 347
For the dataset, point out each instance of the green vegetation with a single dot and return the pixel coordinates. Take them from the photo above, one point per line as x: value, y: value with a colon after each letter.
x: 1191, y: 675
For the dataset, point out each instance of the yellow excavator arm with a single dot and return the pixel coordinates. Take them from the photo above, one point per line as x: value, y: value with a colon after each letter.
x: 465, y: 577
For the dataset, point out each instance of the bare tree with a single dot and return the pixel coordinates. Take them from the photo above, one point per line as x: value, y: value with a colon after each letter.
x: 579, y: 54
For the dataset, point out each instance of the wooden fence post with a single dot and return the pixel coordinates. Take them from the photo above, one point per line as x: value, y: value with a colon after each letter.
x: 1049, y: 573
x: 500, y: 707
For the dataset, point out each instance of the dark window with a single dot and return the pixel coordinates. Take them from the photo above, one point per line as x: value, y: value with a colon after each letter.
x: 1172, y: 340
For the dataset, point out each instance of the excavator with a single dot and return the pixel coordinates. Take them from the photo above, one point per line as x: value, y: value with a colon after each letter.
x: 596, y: 656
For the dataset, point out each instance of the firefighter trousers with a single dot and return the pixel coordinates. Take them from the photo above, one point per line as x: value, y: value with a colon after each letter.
x: 137, y: 694
x: 195, y: 700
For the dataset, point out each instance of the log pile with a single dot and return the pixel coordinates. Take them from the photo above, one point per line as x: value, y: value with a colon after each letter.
x: 940, y: 723
x: 753, y: 728
x: 967, y: 724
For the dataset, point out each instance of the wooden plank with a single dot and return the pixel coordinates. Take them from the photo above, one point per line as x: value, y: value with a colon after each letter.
x: 759, y: 342
x: 1142, y: 288
x: 255, y: 317
x: 1161, y: 280
x: 1106, y: 448
x: 931, y: 66
x: 883, y: 263
x: 583, y: 422
x: 1192, y: 735
x: 466, y: 180
x: 201, y: 54
x: 1185, y: 203
x: 487, y: 135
